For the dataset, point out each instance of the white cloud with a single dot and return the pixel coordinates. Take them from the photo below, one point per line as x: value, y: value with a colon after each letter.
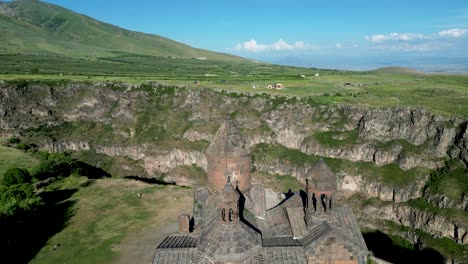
x: 338, y: 45
x: 408, y: 47
x: 253, y: 46
x: 453, y: 33
x: 402, y: 37
x: 396, y: 36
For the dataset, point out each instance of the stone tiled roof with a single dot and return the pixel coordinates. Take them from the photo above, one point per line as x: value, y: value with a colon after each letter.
x: 323, y: 230
x: 179, y: 241
x: 349, y: 224
x: 229, y: 242
x: 258, y: 259
x: 229, y: 194
x: 296, y: 220
x: 293, y: 201
x: 275, y: 224
x: 321, y: 178
x: 174, y: 255
x: 280, y: 255
x: 316, y: 233
x: 228, y: 141
x: 280, y: 242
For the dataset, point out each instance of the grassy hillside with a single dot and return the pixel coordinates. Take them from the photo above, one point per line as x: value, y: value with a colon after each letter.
x: 110, y: 223
x: 14, y: 158
x: 35, y: 27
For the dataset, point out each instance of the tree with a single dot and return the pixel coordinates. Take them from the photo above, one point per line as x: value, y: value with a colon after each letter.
x: 16, y: 176
x: 17, y: 198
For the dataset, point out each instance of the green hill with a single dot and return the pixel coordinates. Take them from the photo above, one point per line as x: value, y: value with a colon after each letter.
x: 35, y: 27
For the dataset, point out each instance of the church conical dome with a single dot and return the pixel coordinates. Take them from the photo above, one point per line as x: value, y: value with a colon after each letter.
x: 229, y: 194
x: 228, y: 141
x: 227, y: 154
x: 321, y: 177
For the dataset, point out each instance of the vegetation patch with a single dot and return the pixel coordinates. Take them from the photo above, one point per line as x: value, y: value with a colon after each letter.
x: 336, y: 138
x: 390, y: 174
x: 450, y: 180
x: 276, y: 182
x: 266, y: 153
x: 450, y: 213
x: 15, y: 158
x: 407, y: 147
x: 445, y: 246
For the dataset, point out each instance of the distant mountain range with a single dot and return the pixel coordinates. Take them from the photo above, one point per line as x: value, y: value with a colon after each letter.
x: 35, y: 27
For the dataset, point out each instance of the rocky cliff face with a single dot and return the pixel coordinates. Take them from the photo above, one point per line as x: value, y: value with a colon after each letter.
x: 435, y: 224
x: 409, y: 137
x: 160, y: 128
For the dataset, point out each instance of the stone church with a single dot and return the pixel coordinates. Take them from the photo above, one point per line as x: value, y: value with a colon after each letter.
x: 233, y: 221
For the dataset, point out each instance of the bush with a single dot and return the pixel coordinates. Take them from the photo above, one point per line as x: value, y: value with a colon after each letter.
x: 17, y: 198
x: 22, y: 146
x: 54, y: 165
x: 16, y: 176
x: 14, y: 140
x: 61, y: 165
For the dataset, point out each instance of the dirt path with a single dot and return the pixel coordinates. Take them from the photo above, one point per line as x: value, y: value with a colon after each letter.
x: 139, y: 247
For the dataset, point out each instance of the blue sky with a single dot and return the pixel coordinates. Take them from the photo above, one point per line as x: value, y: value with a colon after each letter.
x: 331, y: 33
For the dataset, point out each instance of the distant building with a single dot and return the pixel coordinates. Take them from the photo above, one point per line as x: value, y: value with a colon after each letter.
x: 277, y: 86
x: 232, y: 224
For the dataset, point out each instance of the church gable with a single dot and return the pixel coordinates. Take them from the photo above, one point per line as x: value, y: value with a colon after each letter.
x: 334, y: 247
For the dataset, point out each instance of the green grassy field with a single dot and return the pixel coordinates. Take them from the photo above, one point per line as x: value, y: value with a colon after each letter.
x: 443, y: 94
x: 106, y: 214
x: 14, y: 158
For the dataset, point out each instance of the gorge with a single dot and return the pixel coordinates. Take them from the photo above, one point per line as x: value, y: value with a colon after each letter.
x: 386, y: 158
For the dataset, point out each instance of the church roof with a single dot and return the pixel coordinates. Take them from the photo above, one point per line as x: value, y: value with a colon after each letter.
x: 228, y: 141
x: 236, y: 242
x: 323, y: 230
x: 175, y: 255
x: 179, y: 241
x: 229, y: 194
x: 321, y: 177
x: 350, y: 225
x: 279, y: 255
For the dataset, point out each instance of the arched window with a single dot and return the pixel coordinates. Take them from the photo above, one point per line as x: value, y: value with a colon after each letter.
x: 230, y: 214
x: 314, y: 201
